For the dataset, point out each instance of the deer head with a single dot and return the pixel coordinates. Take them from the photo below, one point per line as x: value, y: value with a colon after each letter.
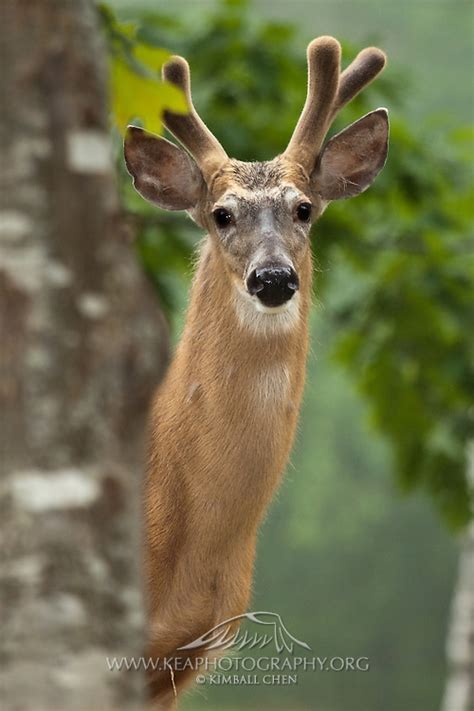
x: 259, y: 215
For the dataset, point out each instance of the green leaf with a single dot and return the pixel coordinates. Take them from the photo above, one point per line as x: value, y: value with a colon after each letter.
x: 139, y: 97
x: 152, y: 57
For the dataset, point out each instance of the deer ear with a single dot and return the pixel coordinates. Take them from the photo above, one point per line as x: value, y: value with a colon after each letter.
x: 162, y: 173
x: 353, y: 158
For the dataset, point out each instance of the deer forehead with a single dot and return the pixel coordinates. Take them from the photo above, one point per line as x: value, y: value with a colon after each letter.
x: 260, y: 200
x: 258, y: 179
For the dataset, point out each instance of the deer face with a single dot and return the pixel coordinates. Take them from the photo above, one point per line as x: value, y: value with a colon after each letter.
x: 259, y: 214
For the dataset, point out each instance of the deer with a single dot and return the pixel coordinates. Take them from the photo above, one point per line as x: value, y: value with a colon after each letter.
x: 223, y: 420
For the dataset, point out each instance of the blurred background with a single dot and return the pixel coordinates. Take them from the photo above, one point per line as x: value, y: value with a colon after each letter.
x: 360, y: 552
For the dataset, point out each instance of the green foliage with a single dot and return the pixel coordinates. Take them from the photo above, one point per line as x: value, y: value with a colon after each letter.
x: 396, y: 265
x: 136, y: 88
x: 407, y: 331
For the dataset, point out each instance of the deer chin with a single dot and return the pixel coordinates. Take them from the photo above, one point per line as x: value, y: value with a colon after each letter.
x: 264, y: 320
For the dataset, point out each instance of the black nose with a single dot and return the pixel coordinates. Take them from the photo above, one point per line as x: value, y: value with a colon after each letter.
x: 273, y: 285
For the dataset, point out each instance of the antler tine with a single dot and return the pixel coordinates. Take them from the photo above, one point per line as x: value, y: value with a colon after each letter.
x: 324, y: 56
x: 189, y: 128
x: 365, y: 67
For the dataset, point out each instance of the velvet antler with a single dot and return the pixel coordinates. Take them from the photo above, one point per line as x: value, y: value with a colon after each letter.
x: 328, y: 92
x: 324, y: 56
x: 189, y: 128
x: 365, y: 67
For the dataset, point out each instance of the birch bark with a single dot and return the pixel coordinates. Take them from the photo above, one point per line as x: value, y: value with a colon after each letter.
x: 82, y: 346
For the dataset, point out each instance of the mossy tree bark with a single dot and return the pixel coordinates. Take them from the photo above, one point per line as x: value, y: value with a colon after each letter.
x: 83, y: 345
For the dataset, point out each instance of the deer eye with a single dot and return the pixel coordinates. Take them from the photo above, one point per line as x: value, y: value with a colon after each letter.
x: 222, y: 217
x: 303, y: 212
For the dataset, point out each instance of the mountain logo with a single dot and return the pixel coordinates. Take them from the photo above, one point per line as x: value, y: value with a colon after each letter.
x: 271, y: 630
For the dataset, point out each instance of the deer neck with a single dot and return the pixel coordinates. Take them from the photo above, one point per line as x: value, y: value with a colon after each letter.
x: 229, y: 350
x: 233, y: 395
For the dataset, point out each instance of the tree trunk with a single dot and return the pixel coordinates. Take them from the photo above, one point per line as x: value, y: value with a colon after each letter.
x: 459, y: 692
x: 82, y: 346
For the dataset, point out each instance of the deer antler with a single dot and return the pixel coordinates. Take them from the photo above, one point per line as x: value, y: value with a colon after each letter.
x: 328, y: 92
x: 365, y: 67
x: 324, y: 56
x: 189, y: 128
